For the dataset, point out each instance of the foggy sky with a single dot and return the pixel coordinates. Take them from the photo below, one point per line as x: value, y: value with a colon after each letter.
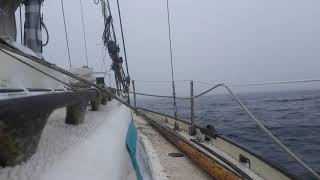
x: 228, y: 41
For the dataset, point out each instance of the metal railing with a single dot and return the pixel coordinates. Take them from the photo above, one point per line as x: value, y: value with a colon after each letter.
x: 240, y: 103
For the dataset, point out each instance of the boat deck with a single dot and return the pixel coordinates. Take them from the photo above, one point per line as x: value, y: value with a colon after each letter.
x: 97, y: 150
x: 175, y: 168
x: 93, y: 150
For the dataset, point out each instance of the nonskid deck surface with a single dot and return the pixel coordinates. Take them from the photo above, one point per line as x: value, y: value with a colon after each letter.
x: 93, y: 150
x: 176, y: 168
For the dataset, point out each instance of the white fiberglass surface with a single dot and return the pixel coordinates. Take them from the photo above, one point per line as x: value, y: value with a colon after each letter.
x: 16, y: 75
x: 94, y: 150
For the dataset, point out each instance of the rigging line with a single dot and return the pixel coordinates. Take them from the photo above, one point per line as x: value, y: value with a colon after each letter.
x: 182, y: 98
x: 214, y: 86
x: 103, y: 56
x: 84, y: 33
x: 37, y: 69
x: 69, y: 74
x: 104, y: 64
x: 267, y: 83
x: 277, y: 82
x: 114, y: 34
x: 151, y: 95
x: 202, y: 82
x: 161, y: 81
x: 244, y: 107
x: 123, y: 41
x: 171, y: 61
x: 65, y: 31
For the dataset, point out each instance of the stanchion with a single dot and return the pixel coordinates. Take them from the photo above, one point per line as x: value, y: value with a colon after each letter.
x: 192, y: 129
x: 134, y: 94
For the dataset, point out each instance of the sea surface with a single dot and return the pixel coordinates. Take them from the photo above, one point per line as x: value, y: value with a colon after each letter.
x: 293, y: 116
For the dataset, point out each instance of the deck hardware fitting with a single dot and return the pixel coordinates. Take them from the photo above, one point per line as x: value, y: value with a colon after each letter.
x: 176, y: 154
x: 244, y: 160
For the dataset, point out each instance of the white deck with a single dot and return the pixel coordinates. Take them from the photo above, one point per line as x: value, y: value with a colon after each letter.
x: 173, y: 168
x: 94, y: 150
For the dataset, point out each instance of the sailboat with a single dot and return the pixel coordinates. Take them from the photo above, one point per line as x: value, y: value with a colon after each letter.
x: 116, y: 140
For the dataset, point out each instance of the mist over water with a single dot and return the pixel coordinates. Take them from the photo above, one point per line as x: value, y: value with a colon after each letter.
x: 293, y: 116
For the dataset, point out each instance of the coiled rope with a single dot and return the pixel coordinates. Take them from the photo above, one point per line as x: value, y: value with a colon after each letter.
x: 110, y: 14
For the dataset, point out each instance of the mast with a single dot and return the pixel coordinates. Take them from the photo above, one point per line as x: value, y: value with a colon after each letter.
x: 7, y: 19
x: 33, y: 20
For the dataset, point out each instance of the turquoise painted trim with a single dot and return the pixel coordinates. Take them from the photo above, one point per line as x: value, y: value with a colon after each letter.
x: 131, y: 143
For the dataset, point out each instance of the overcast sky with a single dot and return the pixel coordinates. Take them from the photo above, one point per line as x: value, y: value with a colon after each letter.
x: 217, y: 41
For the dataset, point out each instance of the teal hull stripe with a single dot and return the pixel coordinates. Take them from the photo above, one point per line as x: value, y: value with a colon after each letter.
x: 131, y: 143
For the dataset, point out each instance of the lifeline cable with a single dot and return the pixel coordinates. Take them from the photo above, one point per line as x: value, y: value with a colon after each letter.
x: 161, y: 81
x: 244, y: 107
x: 266, y: 83
x: 260, y: 124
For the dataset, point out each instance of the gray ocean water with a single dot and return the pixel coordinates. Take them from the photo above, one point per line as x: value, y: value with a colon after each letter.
x: 293, y: 116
